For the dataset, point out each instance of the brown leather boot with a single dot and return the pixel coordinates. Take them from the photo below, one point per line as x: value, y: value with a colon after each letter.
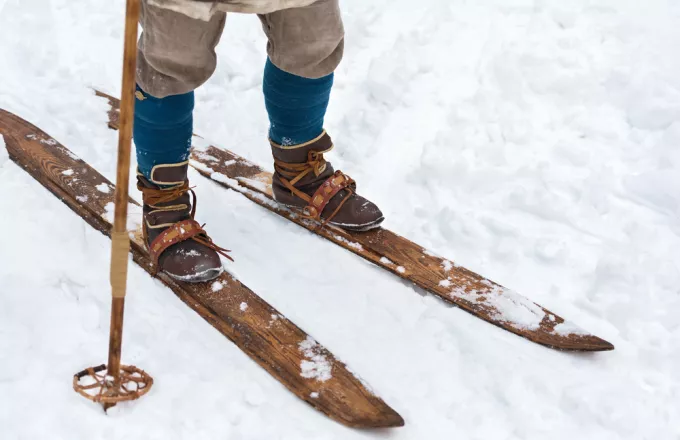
x: 304, y: 179
x: 177, y: 243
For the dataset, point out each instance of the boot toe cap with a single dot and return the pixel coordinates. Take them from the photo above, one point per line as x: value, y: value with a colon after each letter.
x: 358, y: 214
x: 191, y: 262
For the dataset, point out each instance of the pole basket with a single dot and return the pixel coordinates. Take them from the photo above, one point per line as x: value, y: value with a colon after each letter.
x: 96, y: 384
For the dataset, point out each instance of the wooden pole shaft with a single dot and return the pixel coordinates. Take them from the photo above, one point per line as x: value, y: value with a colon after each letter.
x: 120, y: 241
x: 116, y: 338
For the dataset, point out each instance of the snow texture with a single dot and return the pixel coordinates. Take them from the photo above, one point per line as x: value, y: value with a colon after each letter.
x: 352, y: 244
x: 254, y: 183
x: 510, y: 307
x: 4, y: 155
x: 536, y: 142
x: 387, y: 261
x: 316, y: 366
x: 104, y: 188
x: 134, y: 216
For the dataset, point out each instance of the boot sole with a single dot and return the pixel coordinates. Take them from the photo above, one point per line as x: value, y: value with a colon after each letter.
x: 201, y: 277
x: 359, y: 228
x: 347, y: 227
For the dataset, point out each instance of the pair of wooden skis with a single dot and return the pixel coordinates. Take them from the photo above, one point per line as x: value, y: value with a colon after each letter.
x: 270, y: 339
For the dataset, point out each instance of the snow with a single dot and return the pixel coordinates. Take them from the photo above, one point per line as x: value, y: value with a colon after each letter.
x: 535, y: 142
x: 192, y: 252
x: 134, y: 216
x: 4, y: 154
x: 567, y: 328
x: 316, y: 366
x: 104, y: 188
x: 352, y: 244
x: 200, y: 144
x: 527, y: 316
x: 254, y: 183
x: 42, y: 140
x: 234, y: 184
x: 387, y: 261
x: 109, y: 212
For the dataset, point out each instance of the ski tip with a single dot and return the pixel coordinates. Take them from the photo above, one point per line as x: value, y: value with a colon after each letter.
x: 585, y: 343
x: 383, y: 417
x: 599, y: 344
x: 346, y: 399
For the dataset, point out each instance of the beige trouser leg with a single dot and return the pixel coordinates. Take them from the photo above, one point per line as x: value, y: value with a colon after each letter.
x: 306, y: 41
x: 177, y: 53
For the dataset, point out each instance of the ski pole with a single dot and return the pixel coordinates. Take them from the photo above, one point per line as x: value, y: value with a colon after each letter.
x: 116, y: 383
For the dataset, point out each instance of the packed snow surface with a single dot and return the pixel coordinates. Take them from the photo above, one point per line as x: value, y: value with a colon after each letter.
x: 536, y: 142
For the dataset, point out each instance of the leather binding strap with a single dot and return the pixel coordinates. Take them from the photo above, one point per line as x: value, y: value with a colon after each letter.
x: 333, y: 185
x: 188, y: 229
x: 317, y: 202
x: 154, y: 197
x: 178, y: 232
x: 185, y: 230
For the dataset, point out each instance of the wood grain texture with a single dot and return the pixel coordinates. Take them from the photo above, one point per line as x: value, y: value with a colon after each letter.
x: 268, y: 337
x: 439, y: 276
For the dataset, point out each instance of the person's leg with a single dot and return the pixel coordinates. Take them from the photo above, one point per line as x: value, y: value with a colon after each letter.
x: 296, y: 105
x: 176, y: 52
x: 305, y: 47
x: 162, y: 129
x: 309, y: 41
x: 176, y: 55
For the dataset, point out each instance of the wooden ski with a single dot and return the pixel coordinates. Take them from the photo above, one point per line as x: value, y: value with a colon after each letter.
x: 290, y: 355
x: 439, y: 276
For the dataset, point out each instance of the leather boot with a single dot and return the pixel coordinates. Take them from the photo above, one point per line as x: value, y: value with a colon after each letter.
x: 305, y: 180
x: 177, y: 243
